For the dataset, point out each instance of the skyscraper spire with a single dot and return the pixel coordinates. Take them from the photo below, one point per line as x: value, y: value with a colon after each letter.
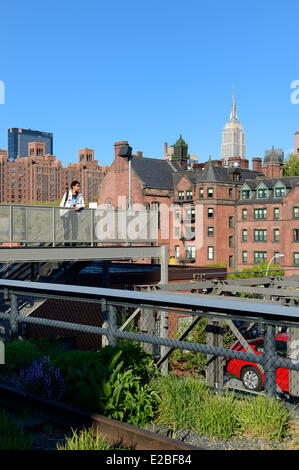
x: 233, y: 137
x: 233, y: 113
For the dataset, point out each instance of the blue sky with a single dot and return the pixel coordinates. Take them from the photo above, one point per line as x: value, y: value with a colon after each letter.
x: 94, y: 72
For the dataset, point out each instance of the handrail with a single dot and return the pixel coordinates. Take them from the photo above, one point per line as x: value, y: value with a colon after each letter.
x: 194, y: 302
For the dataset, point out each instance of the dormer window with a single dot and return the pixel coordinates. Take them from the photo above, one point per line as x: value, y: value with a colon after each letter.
x: 180, y: 195
x: 262, y: 193
x: 245, y: 194
x: 279, y: 192
x: 188, y: 195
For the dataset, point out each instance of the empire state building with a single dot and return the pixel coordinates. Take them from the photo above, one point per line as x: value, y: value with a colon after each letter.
x: 233, y: 137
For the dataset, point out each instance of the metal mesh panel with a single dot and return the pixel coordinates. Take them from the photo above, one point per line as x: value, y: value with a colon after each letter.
x: 257, y: 356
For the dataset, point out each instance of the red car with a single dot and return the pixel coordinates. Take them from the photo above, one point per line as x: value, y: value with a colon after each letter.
x: 251, y: 374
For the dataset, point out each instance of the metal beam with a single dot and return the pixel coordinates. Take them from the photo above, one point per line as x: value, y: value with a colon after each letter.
x: 77, y: 253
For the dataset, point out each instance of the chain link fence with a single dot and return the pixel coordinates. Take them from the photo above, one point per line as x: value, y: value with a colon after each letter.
x: 247, y: 350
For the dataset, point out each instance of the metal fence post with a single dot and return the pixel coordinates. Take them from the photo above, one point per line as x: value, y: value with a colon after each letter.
x: 293, y: 354
x: 14, y: 311
x: 53, y: 226
x: 164, y: 264
x: 10, y: 226
x: 214, y: 363
x: 269, y: 361
x: 109, y: 321
x: 164, y: 334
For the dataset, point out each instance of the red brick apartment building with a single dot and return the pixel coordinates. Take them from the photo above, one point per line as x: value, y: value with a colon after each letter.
x: 40, y: 177
x: 210, y: 213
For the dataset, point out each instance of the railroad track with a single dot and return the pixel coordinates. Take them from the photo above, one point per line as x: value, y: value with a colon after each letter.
x: 64, y: 415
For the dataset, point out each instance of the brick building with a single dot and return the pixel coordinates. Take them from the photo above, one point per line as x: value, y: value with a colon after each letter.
x: 211, y: 214
x: 39, y: 177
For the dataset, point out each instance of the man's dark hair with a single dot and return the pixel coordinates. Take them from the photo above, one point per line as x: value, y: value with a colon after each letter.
x: 73, y: 183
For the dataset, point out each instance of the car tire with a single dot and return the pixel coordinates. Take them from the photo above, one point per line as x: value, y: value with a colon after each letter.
x: 252, y: 379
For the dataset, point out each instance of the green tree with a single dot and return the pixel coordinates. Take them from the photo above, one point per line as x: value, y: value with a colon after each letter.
x: 291, y: 166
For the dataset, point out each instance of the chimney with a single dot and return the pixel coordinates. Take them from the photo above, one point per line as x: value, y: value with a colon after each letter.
x: 117, y: 147
x: 165, y: 150
x: 257, y: 164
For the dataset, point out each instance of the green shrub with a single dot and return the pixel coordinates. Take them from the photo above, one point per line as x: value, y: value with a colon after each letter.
x: 189, y: 404
x: 218, y: 417
x: 264, y: 417
x: 181, y: 401
x: 19, y: 353
x: 12, y: 437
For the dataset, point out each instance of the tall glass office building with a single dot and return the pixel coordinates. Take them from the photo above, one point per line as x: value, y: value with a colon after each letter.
x: 18, y: 140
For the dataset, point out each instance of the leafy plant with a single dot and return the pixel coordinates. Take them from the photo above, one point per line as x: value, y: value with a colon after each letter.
x: 124, y: 398
x: 11, y: 436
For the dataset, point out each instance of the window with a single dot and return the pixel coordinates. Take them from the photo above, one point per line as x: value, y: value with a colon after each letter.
x: 230, y: 221
x: 190, y: 214
x: 276, y: 235
x: 260, y: 256
x: 180, y: 195
x: 230, y: 242
x: 260, y: 235
x: 244, y: 235
x: 295, y: 234
x: 155, y: 206
x: 230, y: 261
x: 262, y: 193
x: 244, y: 214
x: 296, y: 259
x: 245, y: 194
x: 188, y: 195
x: 279, y: 192
x: 210, y: 231
x: 210, y: 192
x: 230, y: 192
x: 276, y: 213
x: 295, y: 212
x: 260, y: 214
x: 177, y: 251
x: 210, y: 213
x: 200, y: 193
x: 210, y: 252
x: 190, y: 252
x: 244, y: 257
